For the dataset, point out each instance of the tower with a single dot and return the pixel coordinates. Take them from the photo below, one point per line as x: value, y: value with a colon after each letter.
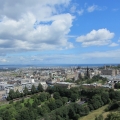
x: 87, y: 73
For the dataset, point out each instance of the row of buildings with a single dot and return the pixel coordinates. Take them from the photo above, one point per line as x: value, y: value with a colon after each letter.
x: 21, y: 78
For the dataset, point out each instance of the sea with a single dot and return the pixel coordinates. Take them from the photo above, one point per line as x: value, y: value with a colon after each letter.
x: 55, y: 65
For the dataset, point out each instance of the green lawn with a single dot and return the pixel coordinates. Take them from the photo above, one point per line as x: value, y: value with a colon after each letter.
x: 3, y: 106
x: 93, y: 114
x: 29, y: 99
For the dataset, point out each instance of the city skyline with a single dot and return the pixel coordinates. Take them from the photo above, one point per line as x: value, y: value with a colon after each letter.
x: 59, y: 32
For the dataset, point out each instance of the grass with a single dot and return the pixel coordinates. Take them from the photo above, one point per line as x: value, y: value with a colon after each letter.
x: 93, y: 114
x: 4, y: 106
x: 29, y: 99
x: 26, y: 100
x: 117, y: 89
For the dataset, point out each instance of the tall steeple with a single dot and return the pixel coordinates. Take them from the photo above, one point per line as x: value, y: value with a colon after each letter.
x: 87, y: 72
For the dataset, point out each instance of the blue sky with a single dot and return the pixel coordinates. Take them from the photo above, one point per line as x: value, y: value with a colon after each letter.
x: 59, y: 32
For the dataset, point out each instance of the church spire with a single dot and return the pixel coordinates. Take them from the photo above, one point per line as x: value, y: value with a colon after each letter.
x: 87, y: 72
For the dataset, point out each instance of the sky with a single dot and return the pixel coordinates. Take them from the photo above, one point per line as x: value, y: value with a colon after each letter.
x: 59, y: 32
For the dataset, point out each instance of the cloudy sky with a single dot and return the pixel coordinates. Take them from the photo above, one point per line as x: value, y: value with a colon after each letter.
x: 59, y: 31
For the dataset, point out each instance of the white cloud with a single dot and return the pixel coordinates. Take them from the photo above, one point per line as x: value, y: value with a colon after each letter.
x: 113, y: 44
x: 80, y: 12
x: 96, y: 37
x: 115, y: 9
x: 92, y: 8
x: 73, y: 9
x: 119, y: 40
x: 28, y: 25
x: 2, y: 60
x: 96, y: 7
x: 113, y: 54
x: 40, y: 8
x: 93, y: 57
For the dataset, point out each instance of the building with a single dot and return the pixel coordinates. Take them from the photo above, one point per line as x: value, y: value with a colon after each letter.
x: 44, y: 85
x: 65, y: 84
x: 111, y: 72
x: 2, y: 95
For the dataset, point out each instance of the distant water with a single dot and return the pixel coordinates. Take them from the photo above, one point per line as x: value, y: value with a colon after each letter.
x: 55, y: 65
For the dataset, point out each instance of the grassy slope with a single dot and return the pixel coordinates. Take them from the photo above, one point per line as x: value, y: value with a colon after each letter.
x: 93, y: 114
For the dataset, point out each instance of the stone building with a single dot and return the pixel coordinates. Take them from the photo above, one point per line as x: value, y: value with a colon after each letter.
x: 111, y: 72
x: 65, y: 84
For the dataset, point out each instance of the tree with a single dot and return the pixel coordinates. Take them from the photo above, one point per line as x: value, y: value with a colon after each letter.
x: 74, y: 97
x: 40, y: 88
x: 34, y: 104
x: 105, y: 97
x: 25, y: 91
x: 43, y: 109
x: 33, y: 89
x: 17, y: 94
x: 113, y: 106
x: 95, y: 102
x: 113, y: 116
x: 24, y: 115
x: 43, y: 96
x: 28, y: 105
x: 115, y: 95
x: 11, y: 102
x: 117, y: 85
x: 64, y: 100
x: 71, y: 113
x: 9, y: 114
x: 56, y: 95
x: 52, y: 105
x: 59, y: 103
x: 11, y: 95
x: 100, y: 117
x: 32, y: 115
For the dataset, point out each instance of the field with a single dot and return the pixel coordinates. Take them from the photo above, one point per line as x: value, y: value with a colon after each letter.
x: 93, y: 114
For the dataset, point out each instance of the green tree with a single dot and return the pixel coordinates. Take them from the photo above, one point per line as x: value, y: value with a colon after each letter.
x: 34, y: 104
x: 17, y: 94
x: 56, y: 95
x: 40, y: 88
x: 113, y: 116
x: 25, y: 91
x: 9, y: 114
x: 43, y: 96
x: 64, y: 100
x: 59, y: 103
x: 24, y: 114
x: 33, y: 89
x: 11, y: 95
x: 105, y: 97
x: 117, y: 85
x: 74, y: 97
x: 52, y: 105
x: 100, y: 117
x: 43, y: 109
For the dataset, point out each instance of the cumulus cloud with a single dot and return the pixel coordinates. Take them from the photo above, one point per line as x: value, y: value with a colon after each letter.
x: 111, y: 56
x: 119, y: 40
x: 80, y: 12
x: 28, y: 25
x: 3, y: 60
x: 96, y: 37
x: 95, y: 7
x: 93, y: 57
x: 92, y: 8
x: 115, y: 9
x: 73, y: 9
x: 114, y: 44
